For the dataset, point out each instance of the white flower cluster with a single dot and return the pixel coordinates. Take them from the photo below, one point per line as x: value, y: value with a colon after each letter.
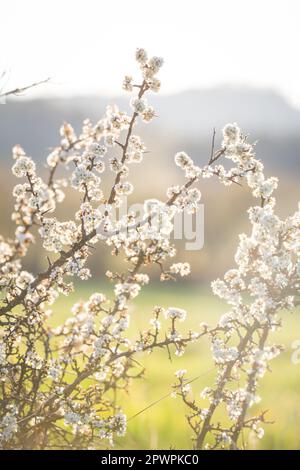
x: 57, y: 234
x: 183, y: 269
x: 8, y: 426
x: 223, y: 354
x: 24, y: 166
x: 175, y: 313
x: 149, y: 67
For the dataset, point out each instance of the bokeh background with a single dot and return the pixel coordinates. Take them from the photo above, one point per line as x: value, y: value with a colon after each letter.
x: 225, y: 61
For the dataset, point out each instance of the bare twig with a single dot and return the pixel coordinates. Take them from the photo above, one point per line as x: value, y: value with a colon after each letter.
x: 18, y: 91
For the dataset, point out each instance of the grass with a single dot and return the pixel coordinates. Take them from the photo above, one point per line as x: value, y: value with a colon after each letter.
x: 163, y: 425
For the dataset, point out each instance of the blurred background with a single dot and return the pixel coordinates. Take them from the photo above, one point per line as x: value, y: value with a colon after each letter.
x: 224, y: 61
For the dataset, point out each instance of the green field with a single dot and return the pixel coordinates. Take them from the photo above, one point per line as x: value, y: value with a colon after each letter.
x: 163, y: 425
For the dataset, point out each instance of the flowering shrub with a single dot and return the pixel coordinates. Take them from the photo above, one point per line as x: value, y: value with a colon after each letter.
x: 266, y: 279
x: 59, y: 386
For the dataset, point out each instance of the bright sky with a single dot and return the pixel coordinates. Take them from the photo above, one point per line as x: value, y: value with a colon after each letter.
x: 87, y: 46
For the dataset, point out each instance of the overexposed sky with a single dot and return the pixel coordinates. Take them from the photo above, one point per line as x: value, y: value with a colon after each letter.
x: 87, y: 46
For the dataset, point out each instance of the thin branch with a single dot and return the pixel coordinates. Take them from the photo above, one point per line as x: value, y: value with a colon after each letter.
x: 18, y: 91
x: 212, y: 146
